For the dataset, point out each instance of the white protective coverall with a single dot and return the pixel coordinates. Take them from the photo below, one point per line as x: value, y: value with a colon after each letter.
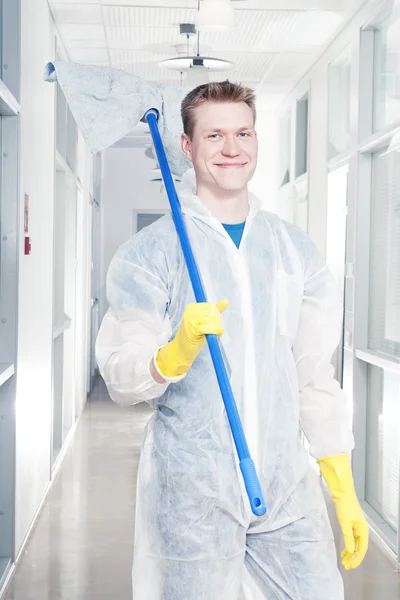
x: 196, y: 538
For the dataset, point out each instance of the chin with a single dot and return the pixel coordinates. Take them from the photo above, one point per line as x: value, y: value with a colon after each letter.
x: 231, y: 187
x: 233, y: 182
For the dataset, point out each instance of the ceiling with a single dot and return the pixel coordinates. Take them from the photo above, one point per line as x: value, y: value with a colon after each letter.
x: 274, y: 44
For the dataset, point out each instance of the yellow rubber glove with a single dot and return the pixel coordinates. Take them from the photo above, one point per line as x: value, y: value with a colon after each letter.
x: 176, y: 358
x: 336, y: 470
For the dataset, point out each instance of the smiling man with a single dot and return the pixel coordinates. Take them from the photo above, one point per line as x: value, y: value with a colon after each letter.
x: 196, y: 538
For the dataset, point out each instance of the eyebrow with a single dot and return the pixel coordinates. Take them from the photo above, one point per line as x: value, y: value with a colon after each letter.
x: 219, y: 130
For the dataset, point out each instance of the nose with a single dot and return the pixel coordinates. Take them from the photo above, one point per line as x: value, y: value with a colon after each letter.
x: 231, y: 146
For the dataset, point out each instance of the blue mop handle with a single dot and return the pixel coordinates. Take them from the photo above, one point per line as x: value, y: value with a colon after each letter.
x: 247, y: 467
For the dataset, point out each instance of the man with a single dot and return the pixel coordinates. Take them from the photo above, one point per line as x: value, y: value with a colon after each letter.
x: 196, y: 538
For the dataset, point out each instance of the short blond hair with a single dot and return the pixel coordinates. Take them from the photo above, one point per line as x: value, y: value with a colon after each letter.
x: 223, y: 91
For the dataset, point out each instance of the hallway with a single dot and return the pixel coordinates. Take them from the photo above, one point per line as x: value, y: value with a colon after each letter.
x: 81, y: 548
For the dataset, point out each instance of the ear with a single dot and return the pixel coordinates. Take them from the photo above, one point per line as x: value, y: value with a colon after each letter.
x: 186, y: 146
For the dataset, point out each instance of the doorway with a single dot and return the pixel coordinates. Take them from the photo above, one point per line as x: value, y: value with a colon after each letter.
x: 336, y: 244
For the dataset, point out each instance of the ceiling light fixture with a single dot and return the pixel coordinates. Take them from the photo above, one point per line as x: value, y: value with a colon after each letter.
x: 215, y: 14
x: 181, y: 63
x: 195, y: 62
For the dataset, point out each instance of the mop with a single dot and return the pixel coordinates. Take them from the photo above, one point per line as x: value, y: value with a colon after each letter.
x: 106, y: 104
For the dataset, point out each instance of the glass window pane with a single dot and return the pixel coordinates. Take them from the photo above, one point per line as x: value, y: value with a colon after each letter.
x: 146, y: 219
x: 61, y: 123
x: 10, y: 45
x: 72, y: 140
x: 387, y: 72
x: 81, y: 151
x: 302, y: 136
x: 384, y: 292
x: 285, y: 137
x: 383, y: 447
x: 339, y: 103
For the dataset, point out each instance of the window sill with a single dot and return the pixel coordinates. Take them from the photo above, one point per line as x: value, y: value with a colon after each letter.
x: 301, y: 178
x: 378, y: 360
x: 61, y: 328
x: 63, y: 166
x: 6, y: 372
x: 9, y: 106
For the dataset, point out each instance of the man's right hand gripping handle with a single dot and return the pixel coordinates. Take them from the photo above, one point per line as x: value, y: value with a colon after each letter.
x: 176, y: 358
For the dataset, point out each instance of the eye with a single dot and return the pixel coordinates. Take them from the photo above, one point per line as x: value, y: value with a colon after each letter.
x: 213, y: 136
x: 244, y: 134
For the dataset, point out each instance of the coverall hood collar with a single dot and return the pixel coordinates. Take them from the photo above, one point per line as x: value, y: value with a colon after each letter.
x: 193, y: 206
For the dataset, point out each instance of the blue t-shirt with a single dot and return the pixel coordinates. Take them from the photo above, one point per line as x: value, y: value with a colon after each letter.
x: 235, y: 232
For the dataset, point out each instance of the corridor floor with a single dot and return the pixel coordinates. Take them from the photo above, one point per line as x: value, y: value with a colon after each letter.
x: 81, y: 548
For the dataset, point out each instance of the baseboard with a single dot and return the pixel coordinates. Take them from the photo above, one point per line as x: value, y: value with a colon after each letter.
x: 54, y: 474
x: 382, y: 545
x: 67, y: 443
x: 6, y: 579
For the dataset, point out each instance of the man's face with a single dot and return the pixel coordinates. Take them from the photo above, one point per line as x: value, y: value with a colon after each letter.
x: 224, y: 145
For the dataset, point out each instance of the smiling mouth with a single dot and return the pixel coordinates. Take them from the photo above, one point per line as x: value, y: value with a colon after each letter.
x: 230, y: 165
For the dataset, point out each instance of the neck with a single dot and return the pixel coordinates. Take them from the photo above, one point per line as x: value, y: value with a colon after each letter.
x: 229, y: 207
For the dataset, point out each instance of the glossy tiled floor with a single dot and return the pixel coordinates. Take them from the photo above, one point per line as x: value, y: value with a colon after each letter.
x: 81, y: 548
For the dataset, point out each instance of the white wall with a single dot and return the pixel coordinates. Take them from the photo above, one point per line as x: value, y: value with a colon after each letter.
x: 36, y: 279
x: 33, y: 406
x: 263, y: 183
x: 126, y: 187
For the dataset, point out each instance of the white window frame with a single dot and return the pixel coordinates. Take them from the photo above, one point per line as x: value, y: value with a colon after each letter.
x: 369, y: 142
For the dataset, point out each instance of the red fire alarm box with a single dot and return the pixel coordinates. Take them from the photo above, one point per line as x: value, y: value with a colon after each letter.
x: 27, y: 246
